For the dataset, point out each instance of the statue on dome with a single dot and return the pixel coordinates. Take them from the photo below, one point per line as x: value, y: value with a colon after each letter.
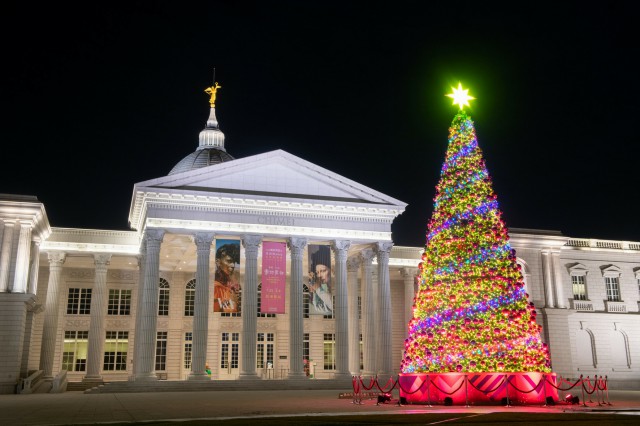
x: 212, y: 91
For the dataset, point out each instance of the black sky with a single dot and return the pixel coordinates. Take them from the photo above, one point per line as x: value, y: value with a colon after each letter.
x: 98, y: 97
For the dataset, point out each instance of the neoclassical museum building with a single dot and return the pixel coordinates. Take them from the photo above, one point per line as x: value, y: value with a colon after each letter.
x: 269, y: 267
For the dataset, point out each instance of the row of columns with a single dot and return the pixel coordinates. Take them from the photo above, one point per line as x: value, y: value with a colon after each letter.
x: 376, y: 309
x: 27, y: 252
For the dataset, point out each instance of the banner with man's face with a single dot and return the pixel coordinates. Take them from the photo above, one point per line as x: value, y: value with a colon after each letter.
x: 226, y: 286
x: 319, y: 284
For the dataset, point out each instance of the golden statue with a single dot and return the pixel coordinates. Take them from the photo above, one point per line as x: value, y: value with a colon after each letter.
x: 212, y: 91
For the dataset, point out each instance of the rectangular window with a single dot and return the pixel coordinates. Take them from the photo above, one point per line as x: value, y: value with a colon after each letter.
x: 163, y: 302
x: 329, y: 346
x: 264, y: 350
x: 119, y: 302
x: 79, y: 301
x: 189, y: 302
x: 305, y: 346
x: 188, y: 348
x: 579, y: 287
x: 613, y: 289
x: 232, y: 361
x: 161, y: 351
x: 74, y: 352
x: 115, y: 351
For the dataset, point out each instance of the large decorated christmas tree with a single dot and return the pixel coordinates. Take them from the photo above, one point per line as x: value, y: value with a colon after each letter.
x: 471, y: 312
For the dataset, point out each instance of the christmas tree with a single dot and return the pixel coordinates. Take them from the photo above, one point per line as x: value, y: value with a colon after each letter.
x: 471, y: 312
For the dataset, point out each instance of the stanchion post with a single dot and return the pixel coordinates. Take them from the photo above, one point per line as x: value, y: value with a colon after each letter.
x: 582, y: 386
x: 428, y: 392
x: 466, y: 391
x: 598, y: 389
x: 506, y: 378
x: 606, y: 388
x: 544, y: 389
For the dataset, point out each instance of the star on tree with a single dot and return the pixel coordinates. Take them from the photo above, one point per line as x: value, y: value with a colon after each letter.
x: 460, y: 96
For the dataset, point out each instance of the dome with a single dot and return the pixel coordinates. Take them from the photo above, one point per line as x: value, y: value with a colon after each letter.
x: 201, y: 158
x: 210, y: 150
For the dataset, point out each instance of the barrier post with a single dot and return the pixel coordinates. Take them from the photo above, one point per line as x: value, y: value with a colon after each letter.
x: 506, y: 376
x: 466, y: 391
x: 606, y: 388
x: 597, y: 390
x: 544, y: 389
x: 582, y: 386
x: 428, y: 392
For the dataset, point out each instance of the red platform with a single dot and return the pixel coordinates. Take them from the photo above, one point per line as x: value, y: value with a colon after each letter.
x: 478, y: 388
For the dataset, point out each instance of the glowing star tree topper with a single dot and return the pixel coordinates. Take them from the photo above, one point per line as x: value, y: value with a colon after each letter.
x: 460, y: 96
x: 471, y: 312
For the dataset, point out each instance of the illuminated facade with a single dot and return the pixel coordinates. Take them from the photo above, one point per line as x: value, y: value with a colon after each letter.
x: 127, y: 305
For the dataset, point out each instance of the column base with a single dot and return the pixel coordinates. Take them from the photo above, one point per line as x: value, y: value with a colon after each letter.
x: 297, y: 376
x: 149, y: 377
x: 342, y: 376
x: 199, y: 376
x: 92, y: 379
x: 248, y: 376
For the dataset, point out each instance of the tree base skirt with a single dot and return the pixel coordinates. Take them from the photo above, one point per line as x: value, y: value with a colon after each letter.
x: 489, y: 388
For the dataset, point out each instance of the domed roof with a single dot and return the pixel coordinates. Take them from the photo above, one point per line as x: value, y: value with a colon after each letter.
x: 210, y: 149
x: 201, y: 158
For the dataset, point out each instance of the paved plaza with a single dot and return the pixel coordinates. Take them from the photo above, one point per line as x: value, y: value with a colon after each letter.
x: 80, y: 408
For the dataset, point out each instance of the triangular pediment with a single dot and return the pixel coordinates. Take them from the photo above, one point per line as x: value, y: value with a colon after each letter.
x: 272, y: 174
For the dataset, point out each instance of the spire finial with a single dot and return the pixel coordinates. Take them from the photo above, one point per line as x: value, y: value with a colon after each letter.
x: 212, y: 92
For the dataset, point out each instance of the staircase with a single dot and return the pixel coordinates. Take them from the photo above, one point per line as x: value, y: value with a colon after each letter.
x: 344, y: 385
x: 81, y: 386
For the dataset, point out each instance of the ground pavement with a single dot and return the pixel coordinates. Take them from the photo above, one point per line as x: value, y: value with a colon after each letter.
x: 80, y: 408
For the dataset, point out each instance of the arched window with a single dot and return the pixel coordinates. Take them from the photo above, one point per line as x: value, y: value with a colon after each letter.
x: 190, y: 298
x: 163, y: 297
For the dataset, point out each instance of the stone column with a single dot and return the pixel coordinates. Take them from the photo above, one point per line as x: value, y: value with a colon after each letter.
x: 5, y: 255
x: 341, y: 251
x: 384, y: 308
x: 354, y: 322
x: 145, y: 358
x: 296, y: 332
x: 201, y: 307
x: 557, y: 280
x: 50, y: 328
x: 548, y: 279
x: 142, y: 261
x: 21, y: 276
x: 98, y: 312
x: 409, y: 276
x: 368, y: 314
x: 32, y: 286
x: 251, y: 244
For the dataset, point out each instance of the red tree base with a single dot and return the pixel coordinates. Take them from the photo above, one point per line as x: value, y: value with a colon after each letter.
x: 478, y: 388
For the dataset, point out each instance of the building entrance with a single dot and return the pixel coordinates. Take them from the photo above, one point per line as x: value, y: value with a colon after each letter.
x: 229, y: 356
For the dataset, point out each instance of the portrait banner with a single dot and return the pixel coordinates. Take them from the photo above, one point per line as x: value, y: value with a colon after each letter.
x: 274, y: 277
x: 226, y: 286
x: 320, y: 282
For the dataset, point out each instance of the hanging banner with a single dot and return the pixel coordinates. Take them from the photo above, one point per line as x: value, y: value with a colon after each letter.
x: 274, y: 277
x: 319, y: 286
x: 226, y: 287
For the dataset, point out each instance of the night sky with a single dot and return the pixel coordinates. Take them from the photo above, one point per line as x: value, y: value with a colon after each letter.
x: 98, y: 97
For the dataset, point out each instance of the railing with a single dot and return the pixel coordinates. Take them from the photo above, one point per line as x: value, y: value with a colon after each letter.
x: 615, y: 306
x: 603, y: 244
x: 28, y: 385
x: 59, y: 383
x: 582, y: 305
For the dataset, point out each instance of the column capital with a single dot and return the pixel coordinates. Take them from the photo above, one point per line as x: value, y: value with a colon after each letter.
x: 367, y: 256
x: 340, y: 246
x: 56, y: 257
x: 154, y: 236
x: 203, y: 240
x: 353, y: 263
x: 408, y: 272
x: 251, y: 243
x: 101, y: 259
x: 383, y: 247
x: 297, y: 243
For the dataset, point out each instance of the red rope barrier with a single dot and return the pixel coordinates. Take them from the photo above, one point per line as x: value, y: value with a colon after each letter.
x: 521, y: 391
x: 388, y: 381
x: 489, y: 391
x: 411, y: 393
x: 445, y: 392
x: 372, y: 383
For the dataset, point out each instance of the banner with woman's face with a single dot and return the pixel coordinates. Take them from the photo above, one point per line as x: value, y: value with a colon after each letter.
x: 226, y: 287
x: 319, y: 284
